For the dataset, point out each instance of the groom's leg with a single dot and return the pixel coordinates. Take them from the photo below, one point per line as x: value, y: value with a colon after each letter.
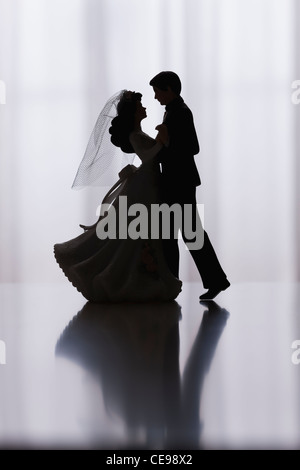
x: 169, y: 244
x: 205, y: 257
x: 208, y: 265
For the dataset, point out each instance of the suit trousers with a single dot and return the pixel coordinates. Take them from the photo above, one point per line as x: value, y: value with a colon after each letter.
x: 205, y: 258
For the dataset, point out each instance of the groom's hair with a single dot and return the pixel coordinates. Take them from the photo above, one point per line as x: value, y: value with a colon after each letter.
x: 163, y: 80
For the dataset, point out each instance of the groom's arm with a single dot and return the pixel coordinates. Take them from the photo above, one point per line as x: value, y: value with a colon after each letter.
x: 182, y: 135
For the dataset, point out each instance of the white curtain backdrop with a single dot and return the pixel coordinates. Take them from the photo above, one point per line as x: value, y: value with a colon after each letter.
x: 61, y: 59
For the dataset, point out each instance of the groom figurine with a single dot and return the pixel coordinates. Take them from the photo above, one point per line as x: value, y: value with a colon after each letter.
x: 179, y: 180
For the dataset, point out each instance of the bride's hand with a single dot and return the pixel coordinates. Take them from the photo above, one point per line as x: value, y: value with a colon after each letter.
x: 87, y: 227
x: 162, y: 135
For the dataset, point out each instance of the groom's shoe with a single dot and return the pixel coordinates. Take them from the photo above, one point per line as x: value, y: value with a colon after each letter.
x: 214, y: 291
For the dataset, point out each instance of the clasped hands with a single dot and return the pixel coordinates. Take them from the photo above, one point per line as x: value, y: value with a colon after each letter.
x: 163, y: 135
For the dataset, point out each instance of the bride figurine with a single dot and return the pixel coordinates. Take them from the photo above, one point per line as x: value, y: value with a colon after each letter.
x: 117, y: 259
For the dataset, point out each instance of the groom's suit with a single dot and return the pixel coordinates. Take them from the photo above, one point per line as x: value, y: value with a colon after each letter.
x: 178, y: 182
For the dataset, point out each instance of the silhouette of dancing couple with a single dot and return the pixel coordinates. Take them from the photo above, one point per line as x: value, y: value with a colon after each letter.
x: 132, y: 256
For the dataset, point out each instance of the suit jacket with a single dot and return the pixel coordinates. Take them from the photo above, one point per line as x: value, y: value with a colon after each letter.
x: 178, y: 165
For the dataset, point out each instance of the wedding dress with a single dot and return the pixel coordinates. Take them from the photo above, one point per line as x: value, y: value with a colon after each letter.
x: 114, y: 269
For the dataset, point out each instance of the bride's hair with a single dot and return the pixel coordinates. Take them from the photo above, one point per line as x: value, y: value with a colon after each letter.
x: 123, y: 124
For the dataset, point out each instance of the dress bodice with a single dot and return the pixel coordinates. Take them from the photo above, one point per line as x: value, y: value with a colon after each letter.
x: 144, y: 146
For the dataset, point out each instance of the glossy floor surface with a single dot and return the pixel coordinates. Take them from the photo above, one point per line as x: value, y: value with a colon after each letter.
x: 220, y: 375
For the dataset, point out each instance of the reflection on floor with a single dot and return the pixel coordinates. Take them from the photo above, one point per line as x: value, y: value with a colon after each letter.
x: 182, y: 374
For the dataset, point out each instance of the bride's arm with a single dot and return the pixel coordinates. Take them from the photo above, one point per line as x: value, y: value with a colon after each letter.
x: 145, y: 146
